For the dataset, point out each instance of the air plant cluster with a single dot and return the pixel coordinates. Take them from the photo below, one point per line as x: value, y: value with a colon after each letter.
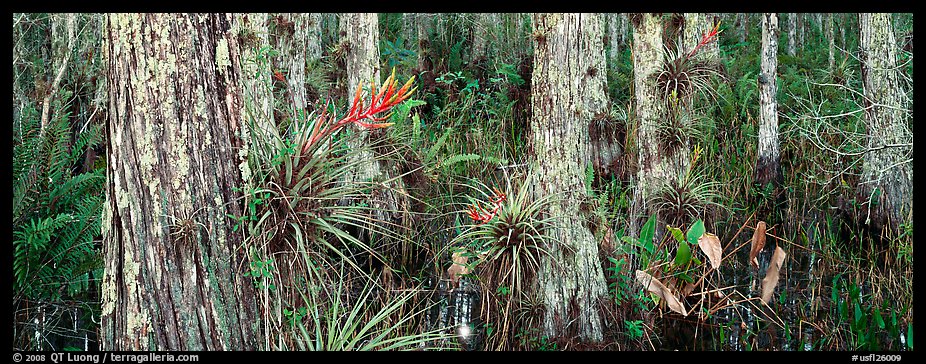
x: 686, y: 195
x: 684, y: 74
x: 509, y: 241
x: 297, y: 218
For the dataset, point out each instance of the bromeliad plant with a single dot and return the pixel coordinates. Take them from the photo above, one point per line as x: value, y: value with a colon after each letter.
x: 508, y: 240
x: 387, y: 98
x: 302, y: 221
x: 683, y: 74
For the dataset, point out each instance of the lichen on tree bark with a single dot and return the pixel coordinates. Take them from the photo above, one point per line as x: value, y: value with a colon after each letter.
x: 568, y: 89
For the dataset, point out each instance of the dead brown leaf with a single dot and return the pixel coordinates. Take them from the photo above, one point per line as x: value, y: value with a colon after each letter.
x: 655, y: 286
x: 771, y: 274
x: 710, y: 245
x: 758, y: 242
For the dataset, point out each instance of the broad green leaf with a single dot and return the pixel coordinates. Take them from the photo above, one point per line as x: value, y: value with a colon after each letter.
x: 878, y: 319
x: 676, y: 233
x: 647, y: 232
x: 695, y: 232
x: 683, y: 255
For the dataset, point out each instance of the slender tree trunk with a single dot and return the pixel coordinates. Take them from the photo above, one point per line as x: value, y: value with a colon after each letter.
x: 743, y: 20
x: 291, y: 39
x: 484, y: 25
x: 792, y: 34
x: 362, y: 33
x: 886, y: 185
x: 173, y: 277
x: 568, y: 91
x: 657, y: 163
x: 314, y: 43
x: 614, y: 37
x: 768, y: 168
x: 843, y: 24
x: 831, y: 41
x: 62, y: 36
x: 255, y: 78
x: 801, y: 27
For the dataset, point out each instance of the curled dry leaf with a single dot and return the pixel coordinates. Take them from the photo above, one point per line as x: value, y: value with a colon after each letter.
x: 758, y: 242
x: 655, y: 286
x: 771, y: 274
x: 458, y: 267
x: 710, y: 245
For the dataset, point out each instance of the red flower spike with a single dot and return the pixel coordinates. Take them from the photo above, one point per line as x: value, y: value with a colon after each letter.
x: 383, y: 100
x: 706, y: 38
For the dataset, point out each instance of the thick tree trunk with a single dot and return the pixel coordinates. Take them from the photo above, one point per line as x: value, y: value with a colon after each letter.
x: 886, y: 186
x: 173, y: 276
x: 768, y: 168
x: 792, y: 34
x: 568, y: 91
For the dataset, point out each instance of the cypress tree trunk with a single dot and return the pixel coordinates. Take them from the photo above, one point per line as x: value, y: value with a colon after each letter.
x: 568, y: 90
x: 291, y: 35
x: 255, y: 76
x: 743, y: 20
x: 696, y: 25
x: 173, y: 278
x: 768, y: 168
x: 614, y: 37
x: 792, y: 34
x: 831, y: 41
x: 886, y: 186
x: 657, y: 163
x: 362, y: 33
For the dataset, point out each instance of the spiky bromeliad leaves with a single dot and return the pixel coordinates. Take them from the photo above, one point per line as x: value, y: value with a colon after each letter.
x: 296, y: 213
x: 508, y: 241
x: 683, y: 74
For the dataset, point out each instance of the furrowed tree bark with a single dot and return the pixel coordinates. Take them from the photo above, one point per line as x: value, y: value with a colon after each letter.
x: 568, y: 90
x: 173, y: 276
x: 886, y: 186
x: 768, y: 167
